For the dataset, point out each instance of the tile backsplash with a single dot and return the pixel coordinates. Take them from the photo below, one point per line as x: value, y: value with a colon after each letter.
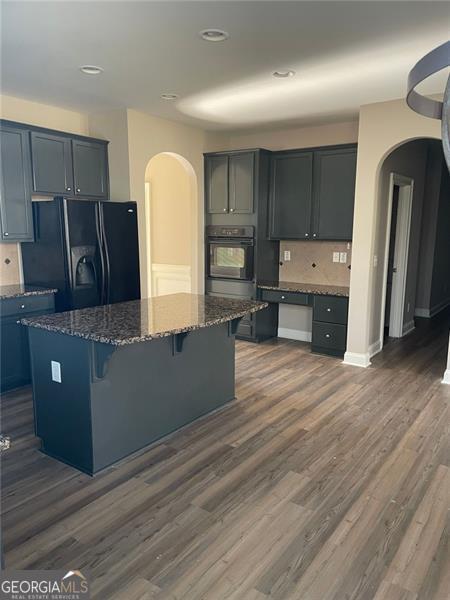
x: 9, y: 264
x: 306, y: 254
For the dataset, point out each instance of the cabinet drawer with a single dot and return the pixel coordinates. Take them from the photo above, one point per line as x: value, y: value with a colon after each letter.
x: 330, y: 309
x: 329, y: 336
x: 285, y: 297
x: 26, y: 304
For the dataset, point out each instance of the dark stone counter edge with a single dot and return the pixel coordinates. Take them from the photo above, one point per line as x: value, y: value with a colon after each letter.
x: 31, y: 322
x: 306, y: 289
x: 25, y: 293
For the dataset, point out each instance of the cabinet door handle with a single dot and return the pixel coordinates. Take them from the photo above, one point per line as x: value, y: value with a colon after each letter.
x: 314, y: 235
x: 22, y: 306
x: 327, y: 335
x: 282, y: 297
x: 78, y: 190
x: 306, y: 234
x: 5, y: 233
x: 224, y: 210
x: 328, y: 309
x: 68, y: 189
x: 231, y: 209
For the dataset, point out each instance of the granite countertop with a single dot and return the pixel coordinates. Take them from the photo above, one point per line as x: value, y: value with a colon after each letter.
x: 20, y: 290
x: 306, y: 288
x: 142, y: 320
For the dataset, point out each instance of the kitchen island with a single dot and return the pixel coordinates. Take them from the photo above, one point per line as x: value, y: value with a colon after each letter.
x: 112, y: 379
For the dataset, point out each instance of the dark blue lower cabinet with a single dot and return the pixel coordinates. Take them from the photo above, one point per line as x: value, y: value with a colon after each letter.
x: 114, y: 400
x: 14, y: 350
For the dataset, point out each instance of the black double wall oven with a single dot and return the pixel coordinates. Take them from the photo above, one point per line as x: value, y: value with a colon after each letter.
x: 230, y: 252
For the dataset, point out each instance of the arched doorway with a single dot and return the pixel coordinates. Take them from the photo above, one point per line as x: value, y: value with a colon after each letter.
x: 412, y: 243
x: 171, y: 225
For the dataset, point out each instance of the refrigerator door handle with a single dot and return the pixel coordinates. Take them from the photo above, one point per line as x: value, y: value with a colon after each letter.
x: 107, y: 269
x: 98, y: 227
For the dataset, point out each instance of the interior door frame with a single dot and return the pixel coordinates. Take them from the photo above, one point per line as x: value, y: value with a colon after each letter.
x: 148, y: 241
x: 401, y: 254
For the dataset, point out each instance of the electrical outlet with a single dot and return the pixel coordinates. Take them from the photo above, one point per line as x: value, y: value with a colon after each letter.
x: 335, y: 256
x: 56, y: 371
x: 343, y: 257
x: 287, y: 255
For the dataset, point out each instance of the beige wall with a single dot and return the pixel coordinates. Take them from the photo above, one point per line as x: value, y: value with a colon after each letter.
x: 171, y: 209
x: 112, y: 125
x: 42, y: 115
x: 149, y: 136
x: 297, y: 137
x: 382, y: 127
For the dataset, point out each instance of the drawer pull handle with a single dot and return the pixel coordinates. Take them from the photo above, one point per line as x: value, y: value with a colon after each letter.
x: 282, y: 297
x: 328, y: 309
x: 327, y: 335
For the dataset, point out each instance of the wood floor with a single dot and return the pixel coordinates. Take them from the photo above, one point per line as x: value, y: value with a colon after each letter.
x: 322, y: 481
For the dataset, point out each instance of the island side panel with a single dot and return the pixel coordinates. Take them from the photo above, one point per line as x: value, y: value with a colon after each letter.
x: 62, y: 410
x: 146, y: 390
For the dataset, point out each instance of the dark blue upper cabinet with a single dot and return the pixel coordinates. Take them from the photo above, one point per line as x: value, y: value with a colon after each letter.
x: 90, y: 168
x: 16, y: 217
x: 241, y: 182
x: 216, y: 184
x: 52, y: 164
x: 312, y: 193
x: 291, y: 195
x: 334, y: 193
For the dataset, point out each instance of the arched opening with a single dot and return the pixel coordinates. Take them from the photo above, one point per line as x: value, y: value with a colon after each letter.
x: 171, y: 225
x: 411, y: 287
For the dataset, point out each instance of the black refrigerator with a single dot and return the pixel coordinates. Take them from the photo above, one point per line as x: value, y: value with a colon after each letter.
x: 86, y: 249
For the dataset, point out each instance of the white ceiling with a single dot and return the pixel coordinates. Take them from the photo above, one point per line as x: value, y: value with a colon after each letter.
x: 344, y: 53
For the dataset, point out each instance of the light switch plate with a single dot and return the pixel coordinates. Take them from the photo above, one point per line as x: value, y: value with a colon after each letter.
x: 287, y: 255
x: 56, y: 371
x: 336, y: 257
x: 343, y: 257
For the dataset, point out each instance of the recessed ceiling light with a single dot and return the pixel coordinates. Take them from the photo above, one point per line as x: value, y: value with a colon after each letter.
x: 214, y: 35
x: 283, y: 73
x: 169, y: 96
x: 91, y: 70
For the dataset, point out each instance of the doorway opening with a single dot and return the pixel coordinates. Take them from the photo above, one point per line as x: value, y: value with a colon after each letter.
x: 171, y: 225
x: 396, y: 257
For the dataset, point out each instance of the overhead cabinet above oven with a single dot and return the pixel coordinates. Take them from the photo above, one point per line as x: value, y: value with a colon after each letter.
x: 230, y: 182
x: 312, y: 193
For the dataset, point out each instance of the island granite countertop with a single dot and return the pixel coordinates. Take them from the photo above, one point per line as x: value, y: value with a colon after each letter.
x: 143, y: 320
x: 20, y: 290
x: 306, y: 288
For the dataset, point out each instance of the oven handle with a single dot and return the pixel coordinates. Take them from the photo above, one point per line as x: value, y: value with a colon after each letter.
x: 231, y: 242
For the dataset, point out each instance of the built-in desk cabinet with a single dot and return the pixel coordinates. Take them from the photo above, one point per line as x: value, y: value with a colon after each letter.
x: 49, y: 163
x: 14, y: 350
x: 312, y: 193
x: 329, y: 325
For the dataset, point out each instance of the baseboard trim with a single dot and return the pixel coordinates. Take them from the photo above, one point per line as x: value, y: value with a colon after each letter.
x: 294, y: 334
x: 446, y: 378
x: 375, y: 348
x: 357, y: 359
x: 408, y: 327
x: 427, y: 313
